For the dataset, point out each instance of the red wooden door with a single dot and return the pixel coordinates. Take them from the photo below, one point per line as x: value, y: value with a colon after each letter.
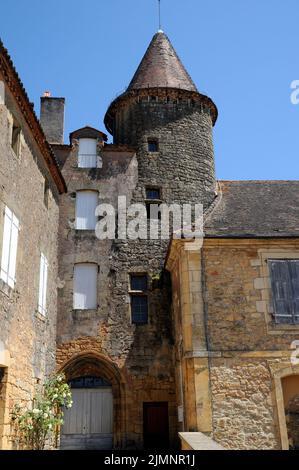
x: 155, y: 425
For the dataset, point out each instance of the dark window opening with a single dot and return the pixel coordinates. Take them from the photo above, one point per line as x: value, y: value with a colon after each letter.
x: 152, y: 210
x: 15, y: 138
x: 285, y: 290
x: 153, y: 193
x: 139, y: 302
x: 139, y: 283
x: 89, y: 382
x: 139, y: 305
x: 153, y: 145
x: 46, y: 193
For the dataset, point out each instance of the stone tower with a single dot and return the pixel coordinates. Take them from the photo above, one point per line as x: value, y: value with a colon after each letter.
x: 162, y: 105
x: 162, y: 152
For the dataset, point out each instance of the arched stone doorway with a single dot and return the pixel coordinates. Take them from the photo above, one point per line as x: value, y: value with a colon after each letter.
x: 290, y: 387
x: 101, y: 386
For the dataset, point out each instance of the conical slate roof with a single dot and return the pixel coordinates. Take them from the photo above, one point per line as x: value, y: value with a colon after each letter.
x: 161, y: 68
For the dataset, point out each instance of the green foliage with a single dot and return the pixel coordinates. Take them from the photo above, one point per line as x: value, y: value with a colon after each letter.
x: 42, y: 422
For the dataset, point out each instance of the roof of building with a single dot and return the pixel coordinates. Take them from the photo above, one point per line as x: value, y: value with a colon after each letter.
x: 161, y: 68
x: 88, y: 132
x: 17, y: 89
x: 253, y: 209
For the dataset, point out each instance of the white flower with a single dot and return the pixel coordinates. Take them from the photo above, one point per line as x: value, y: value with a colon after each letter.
x: 55, y: 396
x: 50, y: 426
x: 46, y: 415
x: 59, y: 379
x: 64, y: 395
x: 36, y: 411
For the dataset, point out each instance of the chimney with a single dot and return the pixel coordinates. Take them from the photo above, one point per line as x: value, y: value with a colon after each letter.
x: 52, y: 118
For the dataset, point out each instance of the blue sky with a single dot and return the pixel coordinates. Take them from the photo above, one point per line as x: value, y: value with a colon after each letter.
x: 242, y: 53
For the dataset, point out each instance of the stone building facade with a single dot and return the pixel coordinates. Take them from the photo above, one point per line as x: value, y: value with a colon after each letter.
x: 30, y: 184
x: 236, y: 378
x: 156, y: 337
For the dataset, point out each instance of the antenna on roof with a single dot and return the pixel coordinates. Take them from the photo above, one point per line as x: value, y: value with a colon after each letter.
x: 159, y: 9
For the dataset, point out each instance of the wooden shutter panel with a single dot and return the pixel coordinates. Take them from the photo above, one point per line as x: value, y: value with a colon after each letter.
x: 86, y: 204
x: 9, y: 247
x: 13, y: 251
x: 294, y: 276
x: 85, y: 286
x: 281, y: 291
x: 43, y: 279
x: 6, y: 244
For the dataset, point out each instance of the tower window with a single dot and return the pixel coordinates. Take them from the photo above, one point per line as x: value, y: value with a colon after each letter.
x: 139, y: 299
x: 153, y: 194
x: 153, y: 199
x: 153, y: 145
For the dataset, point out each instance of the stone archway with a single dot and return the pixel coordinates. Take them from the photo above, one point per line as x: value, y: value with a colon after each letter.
x: 286, y: 384
x: 290, y: 387
x: 97, y: 365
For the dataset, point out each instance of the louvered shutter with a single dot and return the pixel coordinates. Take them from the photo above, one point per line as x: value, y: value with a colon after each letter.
x: 87, y: 157
x: 281, y: 291
x: 294, y: 275
x: 86, y: 204
x: 85, y: 286
x: 9, y: 247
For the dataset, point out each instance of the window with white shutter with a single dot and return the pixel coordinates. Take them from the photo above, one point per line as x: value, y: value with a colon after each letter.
x: 43, y: 279
x: 86, y: 204
x: 85, y: 286
x: 9, y: 247
x: 285, y: 290
x: 87, y: 157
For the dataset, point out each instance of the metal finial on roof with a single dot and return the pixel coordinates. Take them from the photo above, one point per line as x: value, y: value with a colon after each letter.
x: 159, y: 8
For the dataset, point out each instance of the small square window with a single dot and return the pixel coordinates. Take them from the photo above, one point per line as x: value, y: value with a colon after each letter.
x: 153, y: 145
x: 153, y: 194
x: 139, y: 305
x: 139, y: 283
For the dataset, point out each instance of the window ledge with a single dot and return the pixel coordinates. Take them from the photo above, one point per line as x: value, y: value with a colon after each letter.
x: 6, y: 289
x: 40, y: 316
x: 277, y: 328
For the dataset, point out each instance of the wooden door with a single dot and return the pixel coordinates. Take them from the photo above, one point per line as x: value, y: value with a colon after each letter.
x: 155, y: 425
x: 89, y: 423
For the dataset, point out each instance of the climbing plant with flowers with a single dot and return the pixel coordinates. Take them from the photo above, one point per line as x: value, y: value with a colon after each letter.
x: 41, y: 423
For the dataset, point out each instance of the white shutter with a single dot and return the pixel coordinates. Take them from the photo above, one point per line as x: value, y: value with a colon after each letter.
x: 86, y: 204
x: 85, y: 286
x: 87, y: 157
x: 9, y: 247
x: 43, y: 279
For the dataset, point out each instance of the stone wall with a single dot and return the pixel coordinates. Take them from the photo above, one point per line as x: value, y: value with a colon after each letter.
x: 27, y: 337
